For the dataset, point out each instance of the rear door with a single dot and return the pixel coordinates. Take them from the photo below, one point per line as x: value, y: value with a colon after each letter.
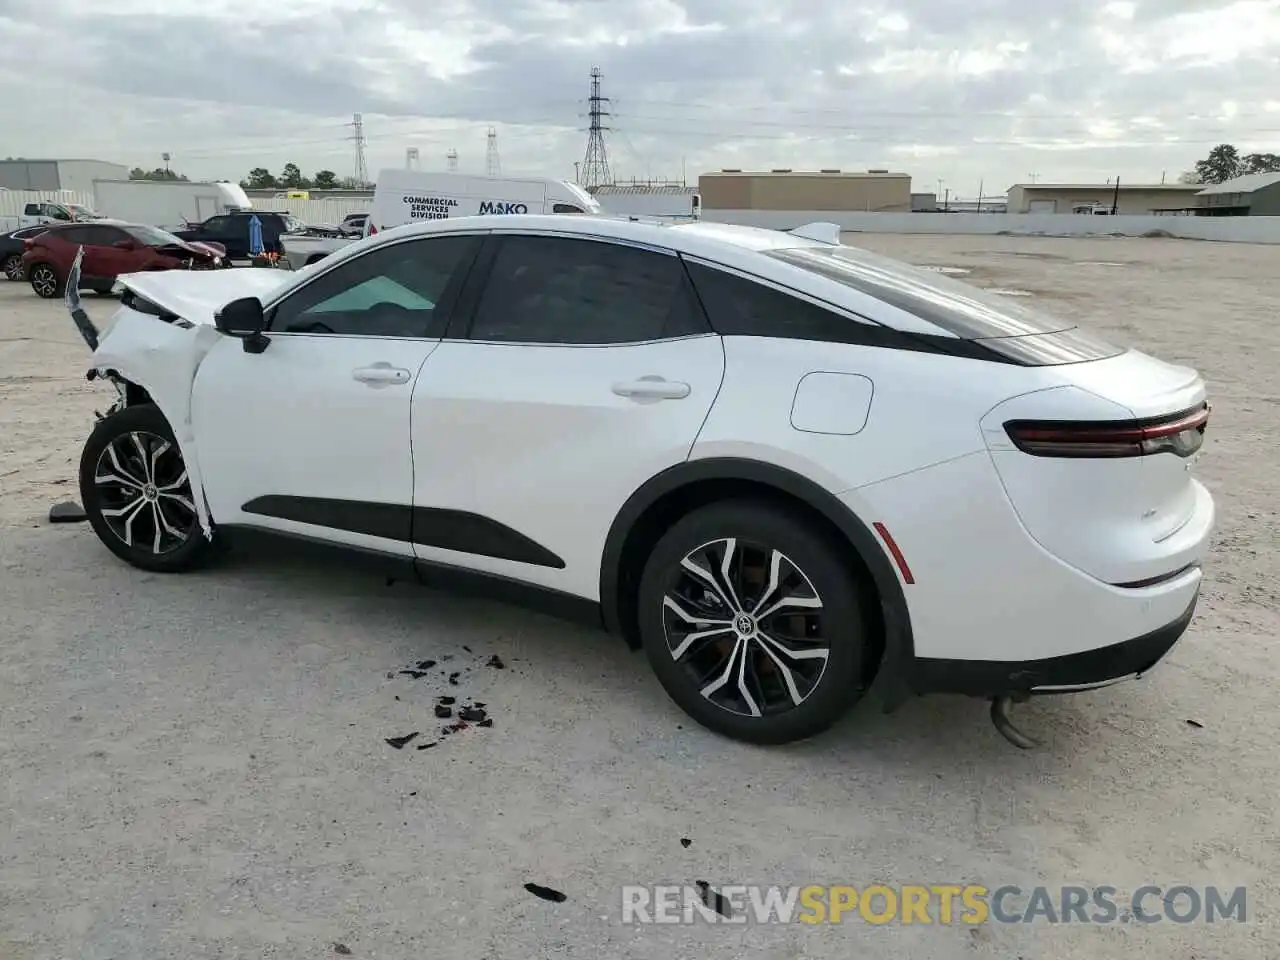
x: 587, y: 367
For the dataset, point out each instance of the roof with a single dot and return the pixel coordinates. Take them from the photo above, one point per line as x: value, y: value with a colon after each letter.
x: 1172, y: 187
x: 626, y: 189
x: 1249, y: 183
x: 854, y: 174
x: 60, y: 160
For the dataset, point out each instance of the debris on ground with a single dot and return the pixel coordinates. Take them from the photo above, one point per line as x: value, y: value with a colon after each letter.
x: 453, y: 679
x: 399, y: 742
x: 67, y: 512
x: 546, y: 893
x: 444, y: 711
x: 686, y: 842
x: 415, y: 674
x: 1195, y: 723
x: 342, y: 948
x: 486, y: 722
x: 472, y: 714
x: 426, y: 664
x: 713, y: 899
x: 495, y: 661
x: 427, y: 746
x: 449, y: 701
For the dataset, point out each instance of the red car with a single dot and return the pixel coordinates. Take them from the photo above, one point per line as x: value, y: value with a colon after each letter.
x: 111, y: 248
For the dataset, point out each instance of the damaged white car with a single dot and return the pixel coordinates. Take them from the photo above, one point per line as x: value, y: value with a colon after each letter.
x: 782, y: 466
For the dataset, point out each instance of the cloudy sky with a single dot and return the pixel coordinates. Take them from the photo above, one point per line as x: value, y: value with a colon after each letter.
x: 990, y: 91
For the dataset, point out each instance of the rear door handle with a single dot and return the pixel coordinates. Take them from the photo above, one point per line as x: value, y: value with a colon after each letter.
x: 381, y: 374
x: 652, y: 388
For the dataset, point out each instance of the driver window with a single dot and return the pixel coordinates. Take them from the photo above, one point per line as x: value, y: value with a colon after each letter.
x: 391, y: 291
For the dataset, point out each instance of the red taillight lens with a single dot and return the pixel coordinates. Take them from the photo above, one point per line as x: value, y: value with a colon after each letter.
x: 1180, y: 433
x: 372, y: 230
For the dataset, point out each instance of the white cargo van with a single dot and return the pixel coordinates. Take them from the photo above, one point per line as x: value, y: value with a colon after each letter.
x: 407, y: 196
x: 169, y: 204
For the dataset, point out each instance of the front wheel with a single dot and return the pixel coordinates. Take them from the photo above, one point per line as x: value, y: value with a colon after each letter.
x: 13, y: 267
x: 44, y: 281
x: 751, y: 620
x: 137, y: 494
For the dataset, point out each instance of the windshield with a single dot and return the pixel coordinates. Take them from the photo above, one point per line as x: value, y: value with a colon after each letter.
x: 151, y: 236
x: 81, y: 212
x: 293, y: 225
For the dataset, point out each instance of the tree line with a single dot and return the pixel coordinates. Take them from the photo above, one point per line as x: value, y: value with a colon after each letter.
x: 1225, y: 162
x: 290, y: 177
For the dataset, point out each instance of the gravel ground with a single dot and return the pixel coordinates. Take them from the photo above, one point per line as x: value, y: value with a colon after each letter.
x: 198, y: 766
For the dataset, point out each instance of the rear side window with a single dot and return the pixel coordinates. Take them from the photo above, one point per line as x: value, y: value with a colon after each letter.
x: 738, y: 307
x: 82, y: 235
x: 560, y: 290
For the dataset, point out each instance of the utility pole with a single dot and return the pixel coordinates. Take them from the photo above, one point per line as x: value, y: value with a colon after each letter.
x: 1115, y: 198
x: 357, y: 127
x: 492, y: 164
x: 595, y: 166
x: 981, y: 184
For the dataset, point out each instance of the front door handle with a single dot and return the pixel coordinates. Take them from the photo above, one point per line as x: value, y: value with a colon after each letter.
x: 381, y: 374
x: 652, y: 388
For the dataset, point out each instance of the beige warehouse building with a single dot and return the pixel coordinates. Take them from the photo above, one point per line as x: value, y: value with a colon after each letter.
x: 866, y: 191
x: 1139, y: 199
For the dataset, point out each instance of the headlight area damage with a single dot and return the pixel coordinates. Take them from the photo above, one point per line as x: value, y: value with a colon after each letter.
x: 150, y: 355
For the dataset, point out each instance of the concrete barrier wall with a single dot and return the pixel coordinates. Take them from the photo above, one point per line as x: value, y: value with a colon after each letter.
x: 1229, y: 229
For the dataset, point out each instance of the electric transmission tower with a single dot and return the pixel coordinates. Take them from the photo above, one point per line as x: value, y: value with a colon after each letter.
x: 451, y: 160
x: 492, y: 165
x: 595, y: 165
x: 357, y: 127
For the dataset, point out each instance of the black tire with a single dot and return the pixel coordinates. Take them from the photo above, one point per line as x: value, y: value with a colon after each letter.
x: 12, y: 268
x: 45, y: 281
x: 112, y: 450
x: 758, y: 530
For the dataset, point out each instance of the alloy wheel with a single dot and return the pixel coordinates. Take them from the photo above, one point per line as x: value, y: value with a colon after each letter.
x: 44, y: 281
x: 13, y: 268
x: 745, y: 623
x: 144, y: 492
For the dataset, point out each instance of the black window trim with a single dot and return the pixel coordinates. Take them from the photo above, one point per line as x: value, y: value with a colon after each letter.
x: 463, y: 319
x: 449, y: 301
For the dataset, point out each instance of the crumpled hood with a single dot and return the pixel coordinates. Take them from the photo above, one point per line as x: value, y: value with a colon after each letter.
x: 195, y: 295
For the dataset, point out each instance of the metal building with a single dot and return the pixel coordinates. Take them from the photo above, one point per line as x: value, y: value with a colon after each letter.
x: 1255, y: 194
x: 1138, y: 198
x: 45, y: 175
x: 865, y: 191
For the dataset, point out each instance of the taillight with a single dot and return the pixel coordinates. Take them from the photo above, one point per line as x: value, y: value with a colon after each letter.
x: 1179, y: 433
x: 28, y: 243
x: 372, y: 229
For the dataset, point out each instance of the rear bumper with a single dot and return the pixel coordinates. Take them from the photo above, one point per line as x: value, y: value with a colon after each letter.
x: 1063, y: 674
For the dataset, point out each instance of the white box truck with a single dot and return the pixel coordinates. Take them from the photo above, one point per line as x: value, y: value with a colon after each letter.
x: 408, y: 196
x: 169, y: 204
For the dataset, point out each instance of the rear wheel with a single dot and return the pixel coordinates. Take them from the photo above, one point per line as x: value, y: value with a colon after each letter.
x: 13, y: 267
x: 44, y: 281
x: 751, y: 620
x: 137, y: 494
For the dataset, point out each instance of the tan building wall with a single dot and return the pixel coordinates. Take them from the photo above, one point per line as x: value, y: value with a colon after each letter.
x: 1139, y: 199
x: 867, y: 192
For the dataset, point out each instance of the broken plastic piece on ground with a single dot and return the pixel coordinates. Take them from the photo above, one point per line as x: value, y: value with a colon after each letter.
x: 399, y: 742
x: 426, y: 664
x: 486, y: 722
x: 713, y: 899
x: 68, y: 511
x: 342, y: 949
x: 450, y: 701
x: 415, y: 674
x: 471, y: 714
x: 443, y: 711
x: 685, y: 842
x: 453, y: 679
x: 495, y: 661
x: 425, y: 746
x: 1195, y: 723
x: 546, y: 893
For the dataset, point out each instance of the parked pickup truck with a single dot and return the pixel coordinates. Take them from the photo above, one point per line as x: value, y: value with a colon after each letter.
x: 46, y: 211
x: 232, y: 231
x: 301, y: 250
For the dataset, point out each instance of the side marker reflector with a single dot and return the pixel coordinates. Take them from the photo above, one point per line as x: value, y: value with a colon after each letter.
x: 892, y: 546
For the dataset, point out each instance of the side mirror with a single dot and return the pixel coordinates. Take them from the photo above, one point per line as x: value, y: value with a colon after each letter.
x: 244, y: 319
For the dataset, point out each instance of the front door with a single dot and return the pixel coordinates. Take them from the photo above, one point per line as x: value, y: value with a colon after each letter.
x: 588, y: 369
x: 311, y: 436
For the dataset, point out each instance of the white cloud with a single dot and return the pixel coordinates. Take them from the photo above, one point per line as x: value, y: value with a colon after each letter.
x: 982, y: 91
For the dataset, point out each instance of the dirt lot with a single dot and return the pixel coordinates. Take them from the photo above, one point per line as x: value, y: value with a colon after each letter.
x: 198, y: 766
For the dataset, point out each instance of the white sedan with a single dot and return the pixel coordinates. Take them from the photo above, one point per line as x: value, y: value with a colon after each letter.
x: 781, y: 466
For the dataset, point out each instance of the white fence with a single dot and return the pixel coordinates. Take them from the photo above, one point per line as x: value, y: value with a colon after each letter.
x: 330, y: 210
x: 1230, y: 229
